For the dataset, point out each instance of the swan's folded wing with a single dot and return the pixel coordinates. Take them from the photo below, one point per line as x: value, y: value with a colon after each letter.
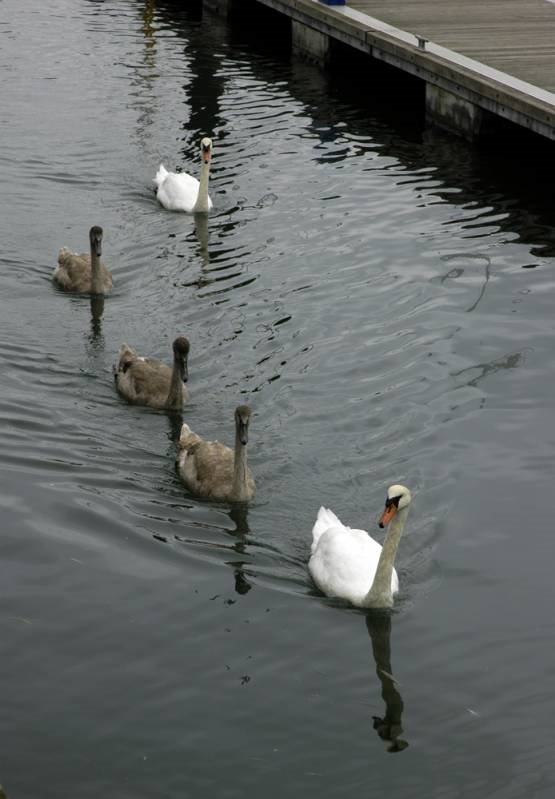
x: 178, y: 192
x: 160, y: 176
x: 324, y: 520
x: 151, y: 379
x: 126, y: 356
x: 206, y: 467
x: 73, y: 271
x: 214, y: 462
x: 68, y: 258
x: 187, y: 438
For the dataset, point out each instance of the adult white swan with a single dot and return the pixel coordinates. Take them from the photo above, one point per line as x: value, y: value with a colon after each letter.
x: 349, y: 564
x: 178, y: 191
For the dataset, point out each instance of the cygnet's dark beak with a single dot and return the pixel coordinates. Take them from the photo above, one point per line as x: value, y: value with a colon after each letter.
x: 182, y: 359
x: 243, y: 434
x: 98, y: 247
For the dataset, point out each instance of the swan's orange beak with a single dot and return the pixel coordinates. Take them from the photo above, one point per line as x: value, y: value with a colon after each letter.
x: 387, y: 515
x: 206, y: 153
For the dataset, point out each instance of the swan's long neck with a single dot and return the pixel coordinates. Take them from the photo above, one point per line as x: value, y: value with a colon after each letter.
x: 240, y: 470
x: 175, y: 394
x: 96, y: 278
x: 201, y: 205
x: 380, y: 595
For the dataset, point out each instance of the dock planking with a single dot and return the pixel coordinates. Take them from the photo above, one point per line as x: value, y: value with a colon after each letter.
x: 514, y: 36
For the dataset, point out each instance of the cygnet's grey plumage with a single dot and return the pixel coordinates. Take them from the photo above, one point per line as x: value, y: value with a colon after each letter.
x: 84, y: 273
x: 211, y: 469
x: 148, y: 381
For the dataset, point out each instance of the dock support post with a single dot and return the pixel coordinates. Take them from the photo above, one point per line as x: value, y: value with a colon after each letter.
x: 446, y: 110
x: 310, y: 43
x: 220, y: 7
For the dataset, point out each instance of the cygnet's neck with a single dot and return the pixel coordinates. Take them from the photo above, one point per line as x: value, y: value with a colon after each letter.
x: 201, y: 205
x: 239, y: 489
x: 380, y: 595
x: 175, y: 394
x: 96, y: 277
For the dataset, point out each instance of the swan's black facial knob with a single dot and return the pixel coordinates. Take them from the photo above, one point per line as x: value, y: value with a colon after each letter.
x: 391, y: 506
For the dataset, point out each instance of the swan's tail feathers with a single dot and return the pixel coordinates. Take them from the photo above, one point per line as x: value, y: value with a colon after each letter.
x: 126, y: 356
x: 161, y: 175
x: 187, y: 438
x: 125, y: 351
x: 64, y: 255
x: 324, y: 520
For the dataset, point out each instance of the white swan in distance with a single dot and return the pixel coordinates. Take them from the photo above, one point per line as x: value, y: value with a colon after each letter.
x: 349, y: 564
x: 178, y: 191
x: 84, y: 273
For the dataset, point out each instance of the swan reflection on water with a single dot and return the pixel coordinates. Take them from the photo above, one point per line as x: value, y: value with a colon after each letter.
x: 201, y: 232
x: 238, y: 514
x: 93, y: 335
x: 97, y: 309
x: 389, y: 728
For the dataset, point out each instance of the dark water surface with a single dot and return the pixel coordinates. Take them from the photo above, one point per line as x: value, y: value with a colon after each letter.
x: 384, y: 300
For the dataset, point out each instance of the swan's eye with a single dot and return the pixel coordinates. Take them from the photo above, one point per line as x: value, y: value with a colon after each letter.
x: 392, y: 501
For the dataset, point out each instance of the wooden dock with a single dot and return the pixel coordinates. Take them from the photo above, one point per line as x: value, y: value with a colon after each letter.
x: 477, y: 57
x: 513, y: 36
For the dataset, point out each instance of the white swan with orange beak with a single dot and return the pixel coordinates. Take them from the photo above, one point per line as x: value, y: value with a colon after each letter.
x: 349, y: 564
x: 178, y: 191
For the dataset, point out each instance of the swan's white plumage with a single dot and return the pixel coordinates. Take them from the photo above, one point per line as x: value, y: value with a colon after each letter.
x: 177, y: 191
x: 344, y: 560
x: 324, y: 521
